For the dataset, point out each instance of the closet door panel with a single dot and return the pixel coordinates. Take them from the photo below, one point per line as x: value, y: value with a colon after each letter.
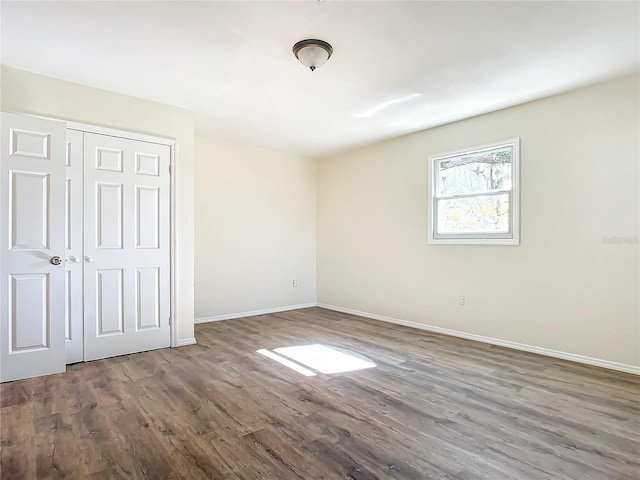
x: 74, y: 197
x: 32, y: 242
x: 126, y: 240
x: 109, y: 226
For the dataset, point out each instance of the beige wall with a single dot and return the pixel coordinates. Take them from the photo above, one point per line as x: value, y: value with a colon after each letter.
x: 563, y: 288
x: 255, y: 229
x: 35, y: 94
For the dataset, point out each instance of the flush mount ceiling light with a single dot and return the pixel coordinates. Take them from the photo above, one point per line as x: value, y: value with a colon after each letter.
x: 312, y: 53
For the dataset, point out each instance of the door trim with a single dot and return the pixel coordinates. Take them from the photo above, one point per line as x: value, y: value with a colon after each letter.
x: 171, y: 143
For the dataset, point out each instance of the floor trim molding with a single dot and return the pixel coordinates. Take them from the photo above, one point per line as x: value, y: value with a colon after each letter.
x: 231, y: 316
x: 621, y: 367
x: 186, y: 341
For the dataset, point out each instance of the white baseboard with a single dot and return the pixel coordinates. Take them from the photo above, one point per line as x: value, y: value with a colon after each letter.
x: 231, y: 316
x: 186, y: 341
x: 493, y: 341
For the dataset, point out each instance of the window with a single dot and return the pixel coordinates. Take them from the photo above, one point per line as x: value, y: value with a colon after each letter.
x: 474, y: 195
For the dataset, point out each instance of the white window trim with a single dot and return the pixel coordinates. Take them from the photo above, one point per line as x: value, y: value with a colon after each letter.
x: 510, y: 238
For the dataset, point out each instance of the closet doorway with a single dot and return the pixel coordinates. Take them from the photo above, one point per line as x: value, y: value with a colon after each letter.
x: 86, y: 258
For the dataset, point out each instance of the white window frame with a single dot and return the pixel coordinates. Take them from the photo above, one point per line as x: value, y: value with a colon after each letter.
x: 509, y: 238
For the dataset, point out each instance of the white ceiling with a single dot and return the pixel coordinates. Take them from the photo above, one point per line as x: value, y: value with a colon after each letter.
x: 397, y: 67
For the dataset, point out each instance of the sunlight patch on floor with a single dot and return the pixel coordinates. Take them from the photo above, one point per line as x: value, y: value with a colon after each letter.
x: 309, y: 359
x: 287, y: 363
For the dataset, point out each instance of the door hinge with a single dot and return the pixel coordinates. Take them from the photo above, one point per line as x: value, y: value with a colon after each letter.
x: 169, y: 321
x: 169, y: 169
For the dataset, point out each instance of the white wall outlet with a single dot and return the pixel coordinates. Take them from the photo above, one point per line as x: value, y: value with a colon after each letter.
x: 461, y: 300
x: 294, y: 283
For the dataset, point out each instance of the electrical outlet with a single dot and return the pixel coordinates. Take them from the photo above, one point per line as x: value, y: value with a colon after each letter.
x: 461, y: 300
x: 294, y: 283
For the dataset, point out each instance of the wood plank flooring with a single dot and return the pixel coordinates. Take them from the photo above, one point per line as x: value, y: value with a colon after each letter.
x: 435, y: 407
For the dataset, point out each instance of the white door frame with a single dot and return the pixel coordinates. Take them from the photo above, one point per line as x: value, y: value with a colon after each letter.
x: 171, y: 143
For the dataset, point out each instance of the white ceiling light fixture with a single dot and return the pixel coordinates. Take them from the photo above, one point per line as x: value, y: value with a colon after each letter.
x: 312, y: 53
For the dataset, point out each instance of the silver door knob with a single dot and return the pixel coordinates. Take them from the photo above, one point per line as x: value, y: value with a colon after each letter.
x: 74, y: 259
x: 55, y: 260
x: 89, y: 259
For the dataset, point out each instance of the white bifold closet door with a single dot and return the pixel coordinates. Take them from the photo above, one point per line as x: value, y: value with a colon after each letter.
x: 84, y: 246
x: 32, y: 223
x: 126, y: 246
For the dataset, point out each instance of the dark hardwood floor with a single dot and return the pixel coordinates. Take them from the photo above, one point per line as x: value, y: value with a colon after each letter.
x: 435, y: 407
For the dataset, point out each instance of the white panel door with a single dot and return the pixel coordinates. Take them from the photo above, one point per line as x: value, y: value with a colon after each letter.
x: 126, y: 246
x: 32, y: 183
x: 73, y: 286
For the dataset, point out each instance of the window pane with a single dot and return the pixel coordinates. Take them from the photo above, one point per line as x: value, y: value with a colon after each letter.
x: 481, y: 214
x: 475, y: 172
